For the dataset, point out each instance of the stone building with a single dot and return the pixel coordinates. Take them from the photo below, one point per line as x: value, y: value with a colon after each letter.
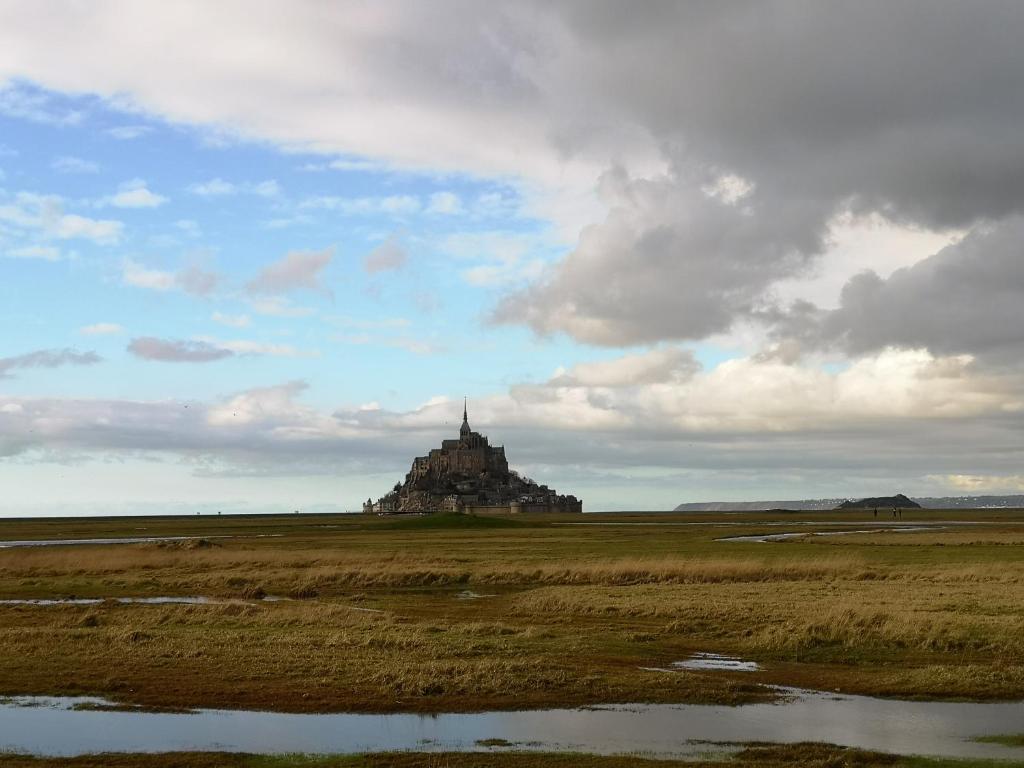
x: 468, y: 474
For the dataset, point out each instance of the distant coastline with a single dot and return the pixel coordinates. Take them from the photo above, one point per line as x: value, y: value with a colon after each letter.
x: 1011, y: 501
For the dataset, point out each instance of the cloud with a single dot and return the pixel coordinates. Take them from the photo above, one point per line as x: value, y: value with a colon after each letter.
x: 207, y: 349
x: 491, y: 275
x: 657, y: 365
x: 298, y: 270
x: 247, y: 347
x: 192, y: 280
x: 128, y: 132
x: 133, y: 273
x: 135, y: 194
x: 198, y: 281
x: 898, y: 419
x: 509, y: 257
x: 25, y: 102
x: 386, y: 257
x: 278, y: 306
x: 102, y: 231
x: 69, y: 164
x: 101, y: 329
x: 905, y: 116
x: 390, y: 205
x: 213, y: 188
x: 44, y: 215
x: 982, y: 484
x: 189, y: 227
x: 232, y: 321
x: 43, y: 252
x: 177, y: 351
x: 669, y: 262
x: 964, y: 299
x: 265, y: 404
x: 446, y: 203
x: 46, y: 358
x: 220, y: 188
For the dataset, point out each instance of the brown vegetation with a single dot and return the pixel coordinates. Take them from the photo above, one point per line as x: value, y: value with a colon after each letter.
x: 570, y: 616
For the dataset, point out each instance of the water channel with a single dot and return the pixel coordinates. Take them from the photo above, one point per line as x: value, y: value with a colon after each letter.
x: 53, y: 726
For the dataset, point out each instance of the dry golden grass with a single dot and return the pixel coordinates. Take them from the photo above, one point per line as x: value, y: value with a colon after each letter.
x: 572, y: 615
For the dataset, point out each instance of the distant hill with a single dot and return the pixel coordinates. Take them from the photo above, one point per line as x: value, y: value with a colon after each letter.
x: 899, y: 500
x: 799, y: 505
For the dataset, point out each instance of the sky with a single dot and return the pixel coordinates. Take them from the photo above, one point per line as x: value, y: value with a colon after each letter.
x: 254, y: 255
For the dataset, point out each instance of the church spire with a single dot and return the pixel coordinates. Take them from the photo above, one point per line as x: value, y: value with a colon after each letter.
x: 465, y: 430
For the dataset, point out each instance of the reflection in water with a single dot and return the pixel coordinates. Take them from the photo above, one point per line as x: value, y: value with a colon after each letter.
x: 717, y: 661
x: 98, y: 600
x: 50, y: 726
x: 122, y: 540
x: 765, y: 537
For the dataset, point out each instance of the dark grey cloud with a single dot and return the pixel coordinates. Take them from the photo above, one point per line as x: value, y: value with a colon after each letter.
x: 909, y: 110
x: 967, y: 298
x: 46, y: 358
x: 669, y: 262
x: 176, y: 350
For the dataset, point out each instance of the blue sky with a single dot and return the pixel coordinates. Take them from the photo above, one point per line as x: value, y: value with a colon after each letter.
x: 230, y: 208
x: 252, y: 258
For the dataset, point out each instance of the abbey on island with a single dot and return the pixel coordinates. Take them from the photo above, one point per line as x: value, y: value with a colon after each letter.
x: 468, y: 475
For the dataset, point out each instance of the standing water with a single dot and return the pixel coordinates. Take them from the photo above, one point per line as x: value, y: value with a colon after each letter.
x: 49, y: 726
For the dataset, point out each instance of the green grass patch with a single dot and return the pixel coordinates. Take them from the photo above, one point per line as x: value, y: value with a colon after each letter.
x: 1007, y: 740
x: 450, y: 521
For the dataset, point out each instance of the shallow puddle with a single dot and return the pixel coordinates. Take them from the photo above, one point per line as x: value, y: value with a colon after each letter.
x: 766, y: 537
x: 124, y: 540
x: 51, y: 726
x: 715, y: 661
x: 118, y: 540
x: 137, y: 600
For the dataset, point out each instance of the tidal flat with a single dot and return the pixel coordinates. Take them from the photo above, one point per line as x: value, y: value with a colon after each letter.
x: 567, y: 615
x: 808, y: 755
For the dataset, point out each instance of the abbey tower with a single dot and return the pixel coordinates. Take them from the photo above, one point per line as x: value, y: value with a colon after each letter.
x: 469, y: 474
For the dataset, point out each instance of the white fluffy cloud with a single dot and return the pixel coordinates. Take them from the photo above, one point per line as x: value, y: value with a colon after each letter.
x: 32, y: 214
x: 134, y: 194
x: 101, y: 329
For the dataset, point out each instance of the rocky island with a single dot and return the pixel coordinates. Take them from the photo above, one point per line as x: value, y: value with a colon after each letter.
x: 899, y: 501
x: 469, y: 475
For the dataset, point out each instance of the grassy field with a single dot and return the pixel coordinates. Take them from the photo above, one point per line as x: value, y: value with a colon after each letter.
x: 456, y: 614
